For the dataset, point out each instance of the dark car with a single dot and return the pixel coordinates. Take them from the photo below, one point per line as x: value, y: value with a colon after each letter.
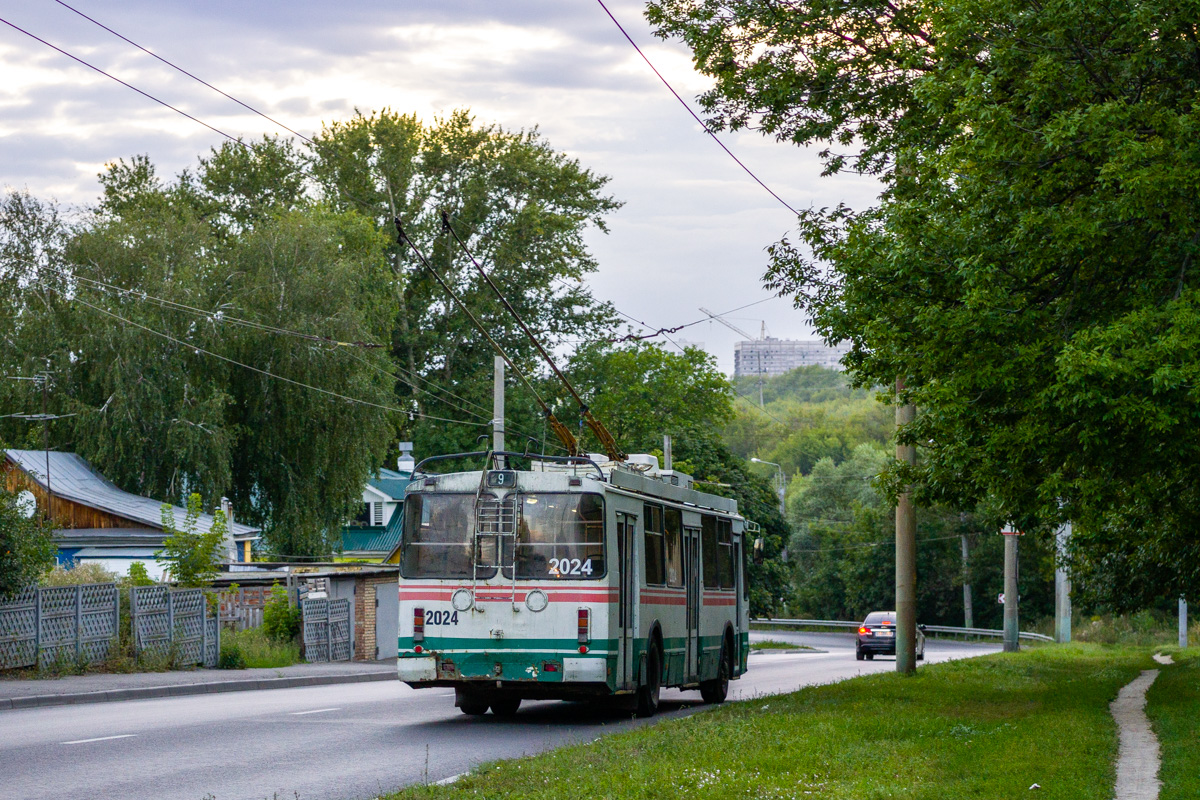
x: 877, y: 635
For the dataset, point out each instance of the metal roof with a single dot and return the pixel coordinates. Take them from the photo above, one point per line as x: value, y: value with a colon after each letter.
x: 74, y: 478
x: 356, y: 539
x: 391, y: 483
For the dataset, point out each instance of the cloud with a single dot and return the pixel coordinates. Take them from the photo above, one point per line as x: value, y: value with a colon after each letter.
x: 692, y: 231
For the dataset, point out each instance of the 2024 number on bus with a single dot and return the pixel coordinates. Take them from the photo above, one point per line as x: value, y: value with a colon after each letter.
x: 433, y: 617
x: 564, y: 567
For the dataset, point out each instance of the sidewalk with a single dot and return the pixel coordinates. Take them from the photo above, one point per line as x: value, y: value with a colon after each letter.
x: 140, y: 685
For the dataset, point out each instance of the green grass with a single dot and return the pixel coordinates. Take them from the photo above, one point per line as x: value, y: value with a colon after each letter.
x: 985, y: 728
x: 252, y: 648
x: 1173, y: 705
x: 771, y: 644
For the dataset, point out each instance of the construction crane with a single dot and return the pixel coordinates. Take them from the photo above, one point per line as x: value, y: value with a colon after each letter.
x: 749, y: 338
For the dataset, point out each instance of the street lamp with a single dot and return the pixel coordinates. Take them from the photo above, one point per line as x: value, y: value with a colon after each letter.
x: 782, y: 483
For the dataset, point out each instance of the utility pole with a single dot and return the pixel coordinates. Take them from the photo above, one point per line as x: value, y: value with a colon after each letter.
x: 1012, y: 598
x: 1062, y: 587
x: 906, y: 550
x: 667, y: 463
x: 1183, y: 623
x: 498, y: 409
x: 968, y: 607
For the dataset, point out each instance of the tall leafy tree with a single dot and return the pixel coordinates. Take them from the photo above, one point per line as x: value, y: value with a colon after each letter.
x: 1029, y: 267
x: 522, y: 209
x: 641, y: 392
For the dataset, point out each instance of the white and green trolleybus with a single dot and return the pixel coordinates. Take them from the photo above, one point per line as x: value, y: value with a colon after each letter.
x: 572, y: 578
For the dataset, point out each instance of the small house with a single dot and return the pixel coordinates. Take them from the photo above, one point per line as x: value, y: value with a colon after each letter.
x: 97, y: 521
x: 375, y: 531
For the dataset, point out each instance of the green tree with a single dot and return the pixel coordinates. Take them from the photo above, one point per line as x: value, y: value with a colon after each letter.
x: 27, y: 546
x: 521, y: 207
x: 1028, y: 268
x: 192, y: 556
x: 641, y: 392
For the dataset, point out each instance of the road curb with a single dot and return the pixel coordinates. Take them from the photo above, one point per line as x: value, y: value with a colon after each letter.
x: 186, y: 689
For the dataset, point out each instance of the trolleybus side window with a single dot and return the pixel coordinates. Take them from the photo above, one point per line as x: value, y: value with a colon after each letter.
x: 708, y: 550
x: 560, y: 536
x: 436, y: 542
x: 653, y: 516
x: 673, y: 546
x: 725, y: 553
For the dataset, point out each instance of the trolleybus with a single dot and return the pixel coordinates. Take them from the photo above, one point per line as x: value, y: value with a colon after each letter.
x: 571, y: 578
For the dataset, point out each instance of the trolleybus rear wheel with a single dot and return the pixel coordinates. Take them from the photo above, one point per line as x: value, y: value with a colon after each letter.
x: 469, y: 702
x: 647, y: 693
x: 505, y: 706
x: 716, y: 690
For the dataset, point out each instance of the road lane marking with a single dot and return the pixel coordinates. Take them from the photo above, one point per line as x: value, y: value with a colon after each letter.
x: 102, y: 738
x: 314, y: 711
x: 450, y: 780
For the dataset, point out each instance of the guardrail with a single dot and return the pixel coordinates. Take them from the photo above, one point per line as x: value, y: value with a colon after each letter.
x: 838, y: 623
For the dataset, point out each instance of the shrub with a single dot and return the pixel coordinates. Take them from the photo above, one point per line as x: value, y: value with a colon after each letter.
x: 281, y: 620
x: 87, y: 572
x: 138, y: 576
x: 253, y: 648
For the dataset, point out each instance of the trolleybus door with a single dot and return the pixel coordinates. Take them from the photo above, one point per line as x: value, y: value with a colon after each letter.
x: 627, y: 607
x: 691, y: 567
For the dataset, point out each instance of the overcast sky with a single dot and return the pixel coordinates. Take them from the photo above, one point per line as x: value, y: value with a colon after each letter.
x: 694, y: 227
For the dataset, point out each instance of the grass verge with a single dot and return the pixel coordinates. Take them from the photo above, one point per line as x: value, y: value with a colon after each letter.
x: 1173, y: 705
x: 252, y: 648
x: 987, y: 727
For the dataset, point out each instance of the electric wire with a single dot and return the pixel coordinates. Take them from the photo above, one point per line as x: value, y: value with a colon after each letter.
x: 178, y: 68
x: 213, y: 316
x: 170, y: 304
x: 612, y: 449
x: 269, y: 374
x: 875, y: 544
x: 126, y: 85
x: 695, y: 116
x: 559, y: 429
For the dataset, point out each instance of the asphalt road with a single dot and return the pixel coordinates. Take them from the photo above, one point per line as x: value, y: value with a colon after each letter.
x: 343, y: 741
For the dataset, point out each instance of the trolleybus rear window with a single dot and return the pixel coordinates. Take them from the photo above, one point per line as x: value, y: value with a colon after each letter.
x: 437, y: 536
x: 560, y: 536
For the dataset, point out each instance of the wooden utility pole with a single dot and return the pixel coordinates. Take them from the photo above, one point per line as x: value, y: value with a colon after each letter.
x: 906, y: 550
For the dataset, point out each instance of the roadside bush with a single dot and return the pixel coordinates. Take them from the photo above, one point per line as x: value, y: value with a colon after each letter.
x: 1144, y: 628
x: 87, y: 572
x: 254, y: 648
x: 281, y: 620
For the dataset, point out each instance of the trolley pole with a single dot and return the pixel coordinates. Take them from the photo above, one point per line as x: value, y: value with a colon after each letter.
x: 1011, y: 596
x: 498, y: 408
x: 906, y: 552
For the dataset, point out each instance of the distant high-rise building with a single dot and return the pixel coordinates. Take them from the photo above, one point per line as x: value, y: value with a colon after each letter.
x: 770, y: 356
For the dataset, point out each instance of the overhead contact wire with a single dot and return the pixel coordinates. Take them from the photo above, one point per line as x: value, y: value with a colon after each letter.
x: 695, y: 116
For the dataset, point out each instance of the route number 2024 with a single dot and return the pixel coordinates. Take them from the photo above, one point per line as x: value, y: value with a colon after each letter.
x: 433, y: 617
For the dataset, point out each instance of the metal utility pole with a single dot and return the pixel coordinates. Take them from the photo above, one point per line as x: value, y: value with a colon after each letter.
x: 781, y: 490
x: 906, y: 551
x: 667, y: 463
x: 1062, y: 587
x: 498, y: 407
x: 1012, y: 598
x: 968, y: 606
x: 1183, y: 623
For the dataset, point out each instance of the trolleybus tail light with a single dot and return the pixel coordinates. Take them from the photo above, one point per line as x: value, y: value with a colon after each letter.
x: 418, y: 625
x: 584, y: 618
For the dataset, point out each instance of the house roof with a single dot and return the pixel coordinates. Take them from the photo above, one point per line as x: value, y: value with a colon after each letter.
x: 374, y: 540
x: 392, y: 483
x: 73, y: 478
